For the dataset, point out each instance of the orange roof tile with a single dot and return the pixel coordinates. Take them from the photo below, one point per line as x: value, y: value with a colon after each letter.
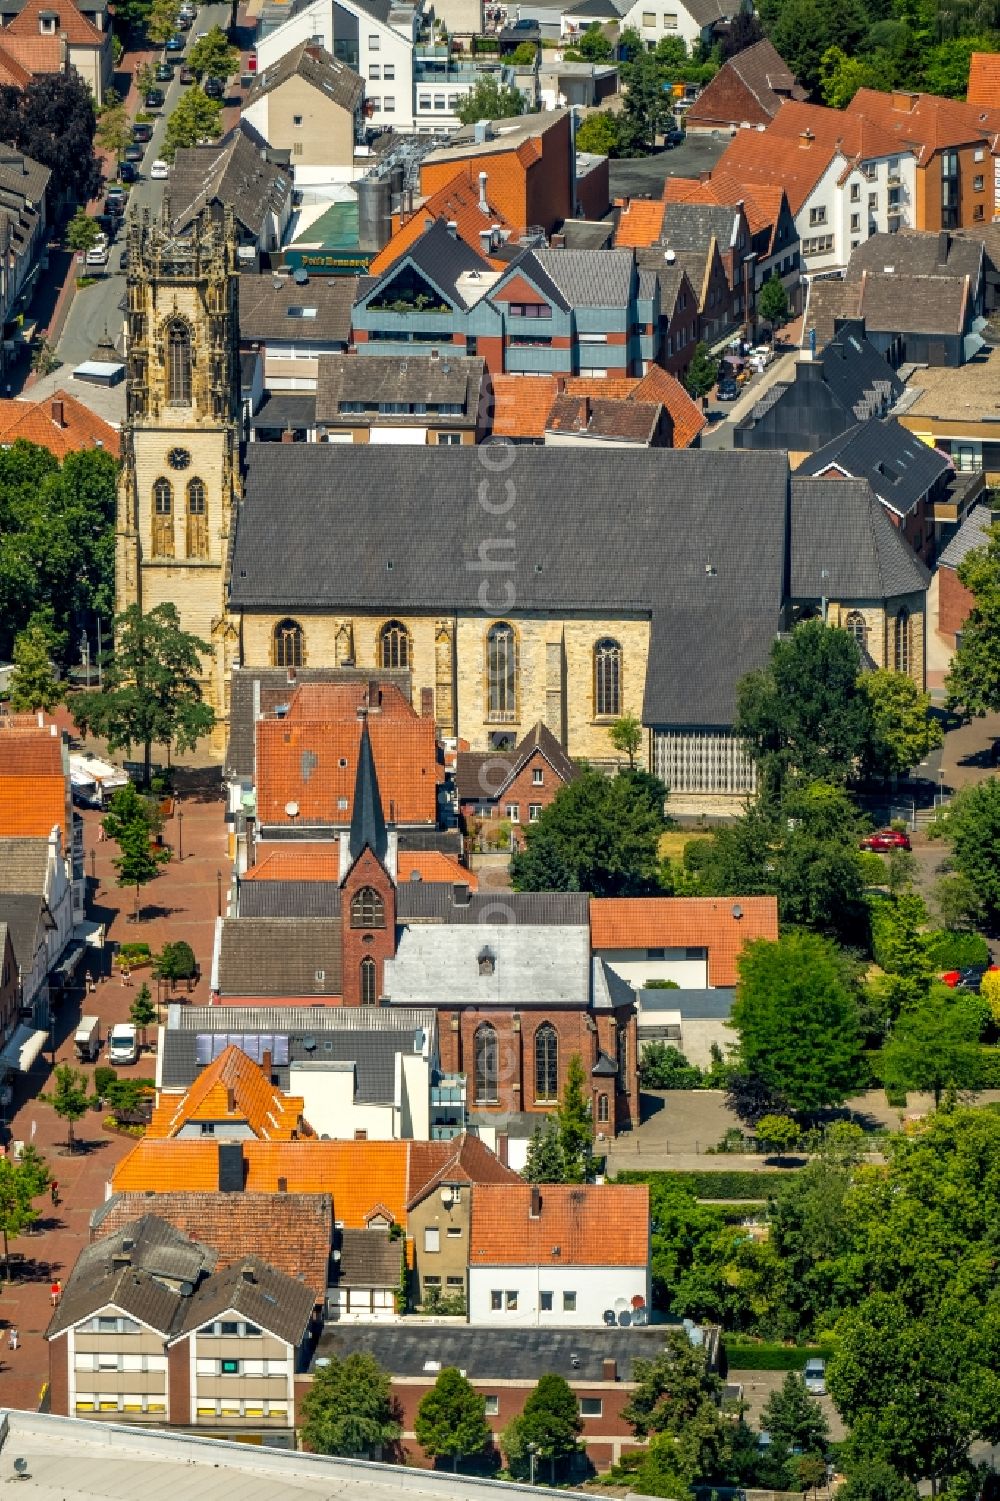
x: 465, y: 1160
x: 924, y: 121
x: 36, y: 422
x: 687, y: 416
x: 12, y: 72
x: 761, y: 201
x: 457, y: 203
x: 434, y: 866
x: 984, y: 79
x: 301, y: 862
x: 640, y: 222
x: 341, y: 701
x: 521, y: 404
x: 579, y: 1225
x: 36, y: 54
x: 296, y: 1229
x: 233, y: 1089
x: 78, y: 31
x: 33, y: 792
x: 671, y: 922
x: 313, y: 765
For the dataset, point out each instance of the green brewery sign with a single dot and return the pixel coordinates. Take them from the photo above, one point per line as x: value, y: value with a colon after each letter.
x: 329, y: 262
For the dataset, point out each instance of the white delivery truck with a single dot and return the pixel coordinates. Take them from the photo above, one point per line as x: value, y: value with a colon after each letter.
x: 88, y: 1038
x: 93, y: 780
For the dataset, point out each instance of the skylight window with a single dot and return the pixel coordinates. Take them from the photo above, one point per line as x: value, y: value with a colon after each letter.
x: 302, y: 312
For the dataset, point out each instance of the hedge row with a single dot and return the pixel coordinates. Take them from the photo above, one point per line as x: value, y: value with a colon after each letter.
x: 721, y: 1185
x: 771, y: 1357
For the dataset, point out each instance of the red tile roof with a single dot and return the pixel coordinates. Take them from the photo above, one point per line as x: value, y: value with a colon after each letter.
x: 924, y: 122
x: 293, y: 1232
x: 12, y: 72
x: 312, y: 764
x: 640, y: 221
x: 579, y: 1225
x: 625, y: 421
x: 688, y: 418
x: 231, y: 1089
x: 34, y: 54
x: 341, y: 701
x: 466, y: 1160
x: 761, y: 201
x: 73, y: 25
x: 984, y: 79
x: 671, y: 922
x: 521, y: 404
x: 33, y: 792
x: 75, y: 427
x: 457, y: 203
x: 321, y: 862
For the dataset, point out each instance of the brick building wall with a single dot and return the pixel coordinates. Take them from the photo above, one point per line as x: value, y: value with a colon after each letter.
x: 530, y: 184
x: 524, y: 793
x: 59, y: 1376
x: 954, y: 603
x: 377, y: 943
x: 179, y: 1382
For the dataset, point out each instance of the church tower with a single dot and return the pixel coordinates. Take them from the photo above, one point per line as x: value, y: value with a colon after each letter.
x: 180, y: 443
x: 368, y: 859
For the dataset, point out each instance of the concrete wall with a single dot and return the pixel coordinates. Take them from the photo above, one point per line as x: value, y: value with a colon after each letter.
x: 596, y: 1289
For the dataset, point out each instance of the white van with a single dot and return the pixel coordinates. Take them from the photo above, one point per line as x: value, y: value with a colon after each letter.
x: 123, y: 1044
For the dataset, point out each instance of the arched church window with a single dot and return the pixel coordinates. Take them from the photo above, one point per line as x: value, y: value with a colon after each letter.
x: 546, y: 1063
x: 856, y: 627
x: 288, y: 644
x: 163, y: 519
x: 501, y: 671
x: 197, y: 519
x: 901, y: 642
x: 602, y: 1109
x: 608, y: 678
x: 179, y: 364
x: 367, y: 909
x: 368, y: 982
x: 486, y: 1069
x: 394, y: 645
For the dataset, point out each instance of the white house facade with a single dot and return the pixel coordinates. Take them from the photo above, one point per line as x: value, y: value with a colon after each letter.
x: 557, y: 1297
x: 851, y: 202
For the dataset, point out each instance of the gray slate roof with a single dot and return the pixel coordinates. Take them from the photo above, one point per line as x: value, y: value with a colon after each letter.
x: 233, y: 173
x: 441, y: 257
x: 690, y: 226
x: 482, y: 1353
x: 158, y: 1255
x: 263, y: 956
x: 289, y: 899
x: 547, y: 966
x: 840, y: 527
x: 914, y: 304
x: 900, y: 468
x: 974, y: 532
x: 24, y: 915
x: 315, y: 66
x: 913, y: 252
x: 716, y: 1004
x: 368, y: 1258
x: 435, y: 901
x: 23, y: 863
x: 278, y: 1304
x: 454, y: 380
x: 266, y: 304
x: 584, y: 278
x: 286, y: 410
x: 697, y: 656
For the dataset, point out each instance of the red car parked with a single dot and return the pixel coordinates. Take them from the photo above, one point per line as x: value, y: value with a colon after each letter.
x: 886, y: 840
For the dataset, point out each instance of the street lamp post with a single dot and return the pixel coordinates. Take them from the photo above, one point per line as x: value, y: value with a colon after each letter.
x: 180, y: 835
x: 532, y: 1461
x: 218, y: 892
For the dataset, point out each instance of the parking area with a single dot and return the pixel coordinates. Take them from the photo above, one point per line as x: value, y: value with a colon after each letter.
x: 644, y: 176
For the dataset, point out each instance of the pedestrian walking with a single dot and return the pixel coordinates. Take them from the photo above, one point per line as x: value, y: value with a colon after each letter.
x: 55, y: 1292
x: 54, y: 1194
x: 12, y: 1338
x: 126, y: 975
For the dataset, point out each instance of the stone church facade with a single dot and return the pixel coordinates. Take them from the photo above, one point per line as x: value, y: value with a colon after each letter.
x: 515, y: 584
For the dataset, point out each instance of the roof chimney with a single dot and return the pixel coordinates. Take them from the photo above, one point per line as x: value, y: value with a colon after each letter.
x: 484, y: 207
x: 288, y: 436
x: 230, y: 1101
x: 265, y: 1063
x: 247, y: 1272
x: 57, y: 411
x: 807, y: 137
x: 536, y: 1202
x: 609, y: 1370
x: 282, y: 1185
x: 120, y: 1260
x: 460, y: 893
x: 453, y: 228
x: 944, y: 242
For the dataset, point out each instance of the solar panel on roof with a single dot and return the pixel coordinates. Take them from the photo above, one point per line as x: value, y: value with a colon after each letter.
x: 203, y: 1048
x: 280, y: 1055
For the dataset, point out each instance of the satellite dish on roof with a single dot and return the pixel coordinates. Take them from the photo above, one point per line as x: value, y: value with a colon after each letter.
x: 309, y: 1043
x: 21, y: 1469
x: 187, y: 1288
x: 292, y: 809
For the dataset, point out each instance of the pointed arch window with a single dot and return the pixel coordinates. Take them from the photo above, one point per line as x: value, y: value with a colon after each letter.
x: 288, y: 644
x: 367, y: 909
x: 163, y: 519
x: 368, y: 986
x: 178, y: 364
x: 486, y: 1064
x: 394, y: 645
x: 197, y: 519
x: 901, y: 642
x: 622, y: 1060
x: 856, y: 627
x: 501, y: 672
x: 602, y: 1109
x: 608, y: 678
x: 546, y: 1063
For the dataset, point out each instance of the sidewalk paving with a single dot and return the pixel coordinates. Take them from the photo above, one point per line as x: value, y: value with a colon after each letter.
x: 180, y: 904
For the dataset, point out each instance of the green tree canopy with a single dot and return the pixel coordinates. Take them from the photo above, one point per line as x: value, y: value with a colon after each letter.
x: 576, y: 1129
x: 772, y: 302
x: 69, y: 1098
x: 670, y: 1389
x: 796, y: 1016
x: 598, y: 133
x: 142, y: 1012
x: 550, y: 1420
x: 902, y: 729
x: 195, y: 117
x: 20, y: 1184
x: 599, y: 834
x: 594, y: 45
x: 803, y: 716
x: 349, y: 1410
x: 973, y: 680
x: 971, y: 824
x: 152, y: 686
x: 82, y: 231
x: 646, y: 105
x: 451, y: 1419
x: 626, y: 736
x: 490, y: 100
x: 934, y: 1044
x: 545, y: 1162
x: 161, y: 20
x: 213, y: 56
x: 131, y: 822
x: 33, y: 683
x: 794, y: 1419
x: 53, y: 121
x: 702, y: 373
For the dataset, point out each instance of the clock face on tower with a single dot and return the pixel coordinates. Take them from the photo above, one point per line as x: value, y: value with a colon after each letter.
x: 178, y: 458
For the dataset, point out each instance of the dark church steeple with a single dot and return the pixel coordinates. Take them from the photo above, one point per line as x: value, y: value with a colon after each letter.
x: 367, y: 819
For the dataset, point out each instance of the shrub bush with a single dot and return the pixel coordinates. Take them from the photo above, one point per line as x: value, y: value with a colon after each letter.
x: 103, y: 1077
x: 665, y: 1067
x: 132, y: 953
x: 771, y: 1357
x: 989, y: 1069
x: 725, y: 1185
x: 949, y: 949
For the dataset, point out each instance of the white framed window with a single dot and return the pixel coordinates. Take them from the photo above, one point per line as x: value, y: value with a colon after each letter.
x: 538, y: 776
x: 510, y: 1300
x: 855, y: 223
x: 591, y: 1407
x: 374, y: 41
x: 649, y: 18
x: 389, y: 72
x: 855, y: 192
x: 978, y: 154
x: 816, y: 216
x: 454, y: 1231
x: 388, y: 104
x: 374, y: 72
x: 296, y: 119
x: 514, y: 812
x: 569, y: 1302
x: 450, y: 440
x: 496, y: 1300
x: 545, y: 1302
x: 492, y: 1406
x: 439, y: 102
x: 534, y: 812
x: 423, y: 101
x: 432, y: 1238
x: 670, y: 20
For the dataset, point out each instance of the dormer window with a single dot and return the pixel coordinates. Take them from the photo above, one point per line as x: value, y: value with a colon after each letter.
x: 48, y: 20
x: 487, y: 962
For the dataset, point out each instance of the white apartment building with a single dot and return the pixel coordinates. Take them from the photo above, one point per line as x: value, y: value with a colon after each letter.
x: 852, y: 201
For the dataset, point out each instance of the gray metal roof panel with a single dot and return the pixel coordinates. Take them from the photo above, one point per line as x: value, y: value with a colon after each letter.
x: 974, y: 532
x: 844, y: 544
x: 263, y: 956
x: 289, y: 899
x: 899, y: 466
